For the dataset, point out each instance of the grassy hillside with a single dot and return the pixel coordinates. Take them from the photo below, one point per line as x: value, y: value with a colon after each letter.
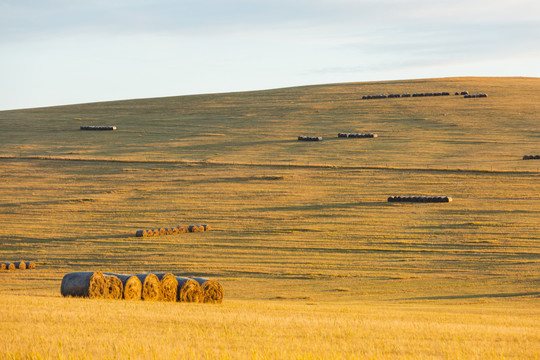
x: 301, y: 230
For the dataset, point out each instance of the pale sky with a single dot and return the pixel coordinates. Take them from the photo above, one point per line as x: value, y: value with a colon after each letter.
x: 57, y: 52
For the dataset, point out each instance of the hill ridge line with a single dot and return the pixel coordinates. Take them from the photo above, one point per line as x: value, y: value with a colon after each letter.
x: 270, y: 164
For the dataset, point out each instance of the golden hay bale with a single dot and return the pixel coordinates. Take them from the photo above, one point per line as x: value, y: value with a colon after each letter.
x: 2, y: 266
x: 21, y: 265
x: 151, y: 287
x: 174, y: 230
x: 168, y: 231
x: 30, y: 265
x: 132, y: 286
x: 183, y: 229
x: 10, y: 266
x: 162, y: 231
x: 189, y: 290
x: 84, y: 284
x: 206, y: 227
x: 114, y: 289
x: 212, y: 290
x: 169, y: 286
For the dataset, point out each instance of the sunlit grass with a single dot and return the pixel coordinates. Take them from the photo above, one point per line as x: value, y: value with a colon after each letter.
x: 314, y: 261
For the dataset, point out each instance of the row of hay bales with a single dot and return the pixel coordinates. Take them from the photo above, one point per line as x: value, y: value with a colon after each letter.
x: 357, y: 135
x: 406, y: 95
x: 422, y: 199
x: 472, y: 96
x: 88, y: 127
x: 531, y: 157
x: 148, y: 287
x: 18, y: 265
x: 172, y: 230
x: 462, y: 93
x: 309, y: 138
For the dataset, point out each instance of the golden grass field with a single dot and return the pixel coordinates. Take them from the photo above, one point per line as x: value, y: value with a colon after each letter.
x: 314, y: 261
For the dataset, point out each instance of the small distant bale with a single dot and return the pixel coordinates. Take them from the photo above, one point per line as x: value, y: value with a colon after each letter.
x: 310, y: 138
x: 464, y: 93
x: 21, y: 265
x: 457, y: 93
x: 2, y: 266
x: 10, y: 266
x: 87, y: 127
x: 420, y: 199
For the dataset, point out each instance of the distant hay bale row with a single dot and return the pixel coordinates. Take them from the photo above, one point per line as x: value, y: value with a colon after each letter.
x: 406, y: 95
x: 309, y: 138
x: 87, y: 127
x: 18, y: 265
x: 148, y: 287
x: 356, y: 135
x: 445, y: 93
x: 172, y: 230
x: 531, y: 157
x: 472, y: 96
x: 422, y: 199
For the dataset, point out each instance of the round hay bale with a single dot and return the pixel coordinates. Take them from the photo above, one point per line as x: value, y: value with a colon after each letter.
x: 140, y: 233
x: 151, y: 287
x: 168, y: 231
x: 10, y: 266
x: 162, y: 231
x: 206, y: 227
x: 193, y: 228
x: 174, y: 230
x: 114, y: 288
x: 132, y: 286
x: 189, y: 290
x: 212, y: 290
x: 169, y: 286
x: 391, y: 199
x: 84, y: 284
x: 2, y: 266
x: 21, y: 265
x: 181, y: 229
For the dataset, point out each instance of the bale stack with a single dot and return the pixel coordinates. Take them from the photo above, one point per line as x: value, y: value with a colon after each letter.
x: 18, y: 265
x: 88, y: 127
x: 472, y: 96
x: 147, y: 286
x: 420, y: 199
x: 84, y: 284
x: 531, y: 157
x: 357, y: 135
x: 172, y: 230
x: 310, y: 138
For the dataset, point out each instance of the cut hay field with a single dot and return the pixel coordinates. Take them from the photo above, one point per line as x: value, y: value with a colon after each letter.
x: 314, y: 261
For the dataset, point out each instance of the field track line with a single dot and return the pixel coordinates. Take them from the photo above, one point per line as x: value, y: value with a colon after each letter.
x: 273, y: 165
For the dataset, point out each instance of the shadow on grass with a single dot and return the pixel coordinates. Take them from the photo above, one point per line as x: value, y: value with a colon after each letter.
x: 474, y: 296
